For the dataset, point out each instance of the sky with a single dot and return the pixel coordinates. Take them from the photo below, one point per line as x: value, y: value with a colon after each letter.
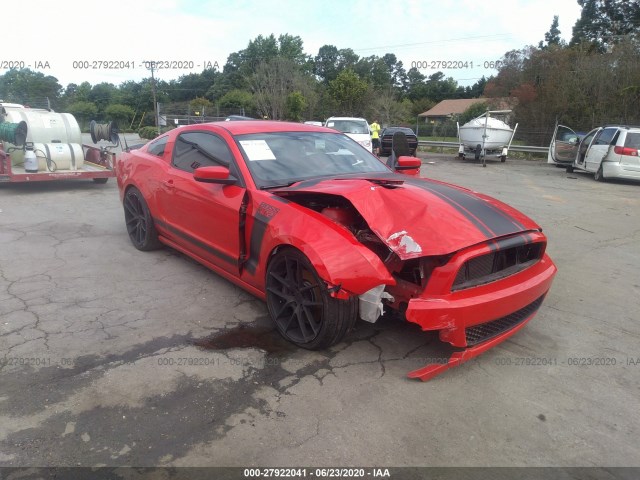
x: 75, y: 41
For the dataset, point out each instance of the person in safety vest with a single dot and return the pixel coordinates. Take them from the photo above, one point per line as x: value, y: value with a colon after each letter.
x: 375, y: 137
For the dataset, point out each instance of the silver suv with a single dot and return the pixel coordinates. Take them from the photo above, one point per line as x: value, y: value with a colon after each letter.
x: 608, y: 152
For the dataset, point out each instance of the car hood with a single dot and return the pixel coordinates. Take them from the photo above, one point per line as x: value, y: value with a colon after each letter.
x: 420, y: 217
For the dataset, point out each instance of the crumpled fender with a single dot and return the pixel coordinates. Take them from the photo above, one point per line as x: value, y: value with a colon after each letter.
x: 334, y: 252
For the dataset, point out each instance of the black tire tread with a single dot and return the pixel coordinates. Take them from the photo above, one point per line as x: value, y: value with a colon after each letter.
x: 152, y: 241
x: 339, y: 316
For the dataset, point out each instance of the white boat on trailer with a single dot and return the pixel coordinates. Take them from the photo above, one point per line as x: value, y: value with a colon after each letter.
x: 486, y: 135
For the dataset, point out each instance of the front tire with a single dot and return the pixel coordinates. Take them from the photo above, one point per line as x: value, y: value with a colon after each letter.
x: 300, y: 305
x: 140, y: 227
x: 570, y: 169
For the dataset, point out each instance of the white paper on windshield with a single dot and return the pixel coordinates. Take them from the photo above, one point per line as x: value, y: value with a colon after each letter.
x: 342, y: 151
x: 257, y: 150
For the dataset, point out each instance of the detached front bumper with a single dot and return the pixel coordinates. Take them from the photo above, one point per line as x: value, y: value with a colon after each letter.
x: 479, y: 318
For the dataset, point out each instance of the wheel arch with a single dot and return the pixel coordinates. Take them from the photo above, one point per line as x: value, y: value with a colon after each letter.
x: 151, y: 204
x: 363, y: 270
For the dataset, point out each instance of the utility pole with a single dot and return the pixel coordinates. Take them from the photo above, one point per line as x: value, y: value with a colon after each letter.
x: 151, y: 66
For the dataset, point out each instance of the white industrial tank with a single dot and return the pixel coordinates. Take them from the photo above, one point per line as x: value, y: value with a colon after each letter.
x: 56, y: 138
x: 45, y: 126
x: 53, y: 156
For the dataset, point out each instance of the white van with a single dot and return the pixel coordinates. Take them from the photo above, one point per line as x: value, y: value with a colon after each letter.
x: 610, y: 151
x: 355, y: 128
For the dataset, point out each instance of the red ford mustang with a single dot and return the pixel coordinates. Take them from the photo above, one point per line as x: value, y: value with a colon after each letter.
x: 306, y: 219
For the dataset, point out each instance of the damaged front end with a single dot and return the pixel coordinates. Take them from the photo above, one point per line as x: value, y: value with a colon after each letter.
x: 475, y: 294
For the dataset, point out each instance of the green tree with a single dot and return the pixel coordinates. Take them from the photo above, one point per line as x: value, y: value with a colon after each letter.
x: 29, y: 88
x: 84, y: 111
x: 552, y: 37
x: 103, y: 94
x: 271, y: 83
x: 295, y: 105
x: 421, y: 105
x: 121, y: 114
x: 348, y: 91
x: 237, y: 99
x: 388, y: 109
x: 200, y: 105
x: 439, y: 88
x: 472, y: 112
x: 326, y: 63
x: 192, y: 85
x: 396, y: 70
x: 75, y: 93
x: 603, y: 23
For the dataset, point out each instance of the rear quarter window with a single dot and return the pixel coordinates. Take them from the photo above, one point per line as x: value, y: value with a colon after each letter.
x: 157, y: 147
x: 632, y: 140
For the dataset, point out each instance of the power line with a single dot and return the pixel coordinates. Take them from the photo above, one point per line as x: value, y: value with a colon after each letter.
x: 433, y: 42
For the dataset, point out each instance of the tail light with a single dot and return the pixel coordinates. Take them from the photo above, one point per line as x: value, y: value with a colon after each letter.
x: 632, y: 152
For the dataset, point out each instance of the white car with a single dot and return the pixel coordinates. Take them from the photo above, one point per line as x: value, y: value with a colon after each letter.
x: 607, y: 152
x: 355, y: 128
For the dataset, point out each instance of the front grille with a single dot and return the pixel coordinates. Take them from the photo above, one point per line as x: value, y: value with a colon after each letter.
x: 484, y: 331
x: 496, y: 265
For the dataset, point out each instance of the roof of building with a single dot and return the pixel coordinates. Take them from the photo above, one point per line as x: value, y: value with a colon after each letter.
x: 447, y: 108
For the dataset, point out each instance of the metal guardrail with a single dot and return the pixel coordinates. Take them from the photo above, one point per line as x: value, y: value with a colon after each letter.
x: 515, y: 148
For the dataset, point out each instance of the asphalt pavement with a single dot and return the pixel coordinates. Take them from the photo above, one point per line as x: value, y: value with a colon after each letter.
x: 113, y: 357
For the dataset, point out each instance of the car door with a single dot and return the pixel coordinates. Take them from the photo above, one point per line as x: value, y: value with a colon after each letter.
x: 203, y: 218
x: 564, y: 145
x: 583, y: 148
x: 599, y: 148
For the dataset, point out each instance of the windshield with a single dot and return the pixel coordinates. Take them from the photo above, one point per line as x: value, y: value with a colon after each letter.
x: 349, y: 126
x: 282, y: 158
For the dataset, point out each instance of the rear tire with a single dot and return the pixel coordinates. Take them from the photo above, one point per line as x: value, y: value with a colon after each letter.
x: 140, y: 227
x: 599, y: 175
x: 569, y: 169
x: 503, y: 158
x: 300, y: 304
x: 100, y: 181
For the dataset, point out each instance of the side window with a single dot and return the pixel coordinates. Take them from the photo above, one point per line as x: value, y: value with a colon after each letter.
x: 632, y: 140
x: 605, y: 136
x: 157, y: 147
x: 614, y: 141
x: 200, y: 149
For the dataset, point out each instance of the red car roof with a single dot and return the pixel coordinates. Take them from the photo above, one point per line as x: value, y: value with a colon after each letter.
x: 259, y: 126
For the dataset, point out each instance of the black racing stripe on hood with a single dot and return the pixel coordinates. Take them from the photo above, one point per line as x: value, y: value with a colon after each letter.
x: 279, y: 199
x: 495, y: 220
x: 306, y: 184
x: 474, y: 220
x: 509, y: 242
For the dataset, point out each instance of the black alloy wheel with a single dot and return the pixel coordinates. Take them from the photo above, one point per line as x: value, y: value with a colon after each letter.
x: 140, y: 227
x: 300, y: 304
